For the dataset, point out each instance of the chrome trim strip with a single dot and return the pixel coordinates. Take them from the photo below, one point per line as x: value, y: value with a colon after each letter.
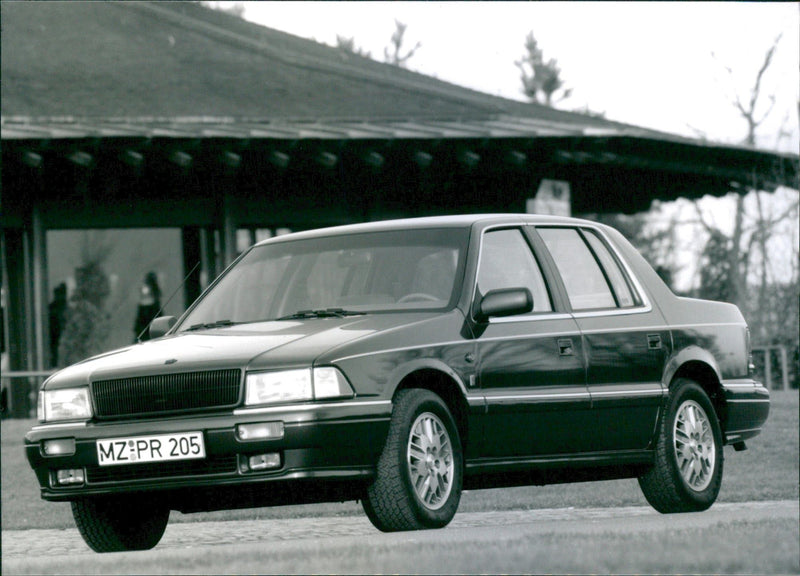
x: 564, y: 395
x: 614, y: 312
x: 632, y: 393
x: 533, y: 316
x: 740, y: 385
x: 66, y: 425
x: 306, y: 407
x: 749, y: 401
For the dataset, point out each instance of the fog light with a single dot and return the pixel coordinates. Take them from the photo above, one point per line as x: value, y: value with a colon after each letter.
x: 261, y: 431
x: 72, y: 476
x: 264, y: 461
x: 60, y: 447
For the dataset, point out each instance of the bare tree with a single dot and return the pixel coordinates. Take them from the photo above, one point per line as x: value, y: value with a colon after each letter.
x: 348, y: 46
x: 746, y: 254
x: 540, y: 80
x: 393, y: 54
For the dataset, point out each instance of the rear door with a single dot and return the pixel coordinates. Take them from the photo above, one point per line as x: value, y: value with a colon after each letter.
x: 624, y: 337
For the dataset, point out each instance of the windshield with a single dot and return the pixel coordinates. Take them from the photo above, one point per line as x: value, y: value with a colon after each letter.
x: 335, y: 275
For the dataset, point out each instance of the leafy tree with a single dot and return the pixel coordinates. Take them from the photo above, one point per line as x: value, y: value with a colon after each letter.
x: 393, y: 54
x: 88, y: 324
x: 715, y: 269
x: 540, y: 80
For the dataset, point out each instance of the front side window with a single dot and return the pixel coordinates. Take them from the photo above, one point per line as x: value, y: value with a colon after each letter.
x: 506, y: 261
x: 368, y: 272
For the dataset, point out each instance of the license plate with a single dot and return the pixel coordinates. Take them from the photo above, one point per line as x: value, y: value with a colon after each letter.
x: 142, y: 449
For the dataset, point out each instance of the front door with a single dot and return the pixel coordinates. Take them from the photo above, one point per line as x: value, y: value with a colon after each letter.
x: 531, y: 366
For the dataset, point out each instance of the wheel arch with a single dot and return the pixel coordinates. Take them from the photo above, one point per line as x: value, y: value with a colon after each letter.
x: 707, y: 377
x: 447, y: 387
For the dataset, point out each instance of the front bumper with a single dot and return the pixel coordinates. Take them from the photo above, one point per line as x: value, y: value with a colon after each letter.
x: 326, y: 441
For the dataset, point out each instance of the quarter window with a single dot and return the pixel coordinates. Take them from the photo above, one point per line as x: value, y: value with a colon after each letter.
x: 623, y: 290
x: 507, y: 262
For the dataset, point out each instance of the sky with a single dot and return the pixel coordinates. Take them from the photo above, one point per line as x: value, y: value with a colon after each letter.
x: 660, y: 65
x: 671, y: 66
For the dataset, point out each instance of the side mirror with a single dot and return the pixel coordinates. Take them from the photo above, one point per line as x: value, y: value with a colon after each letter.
x: 505, y: 302
x: 161, y: 326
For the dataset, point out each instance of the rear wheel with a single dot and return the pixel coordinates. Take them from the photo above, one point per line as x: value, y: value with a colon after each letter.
x: 120, y: 523
x: 419, y: 474
x: 687, y: 474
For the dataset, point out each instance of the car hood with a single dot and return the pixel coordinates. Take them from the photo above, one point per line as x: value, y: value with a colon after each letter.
x: 256, y: 346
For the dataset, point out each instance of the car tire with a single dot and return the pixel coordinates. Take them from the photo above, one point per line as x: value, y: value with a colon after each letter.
x: 687, y: 472
x: 120, y: 523
x: 419, y: 474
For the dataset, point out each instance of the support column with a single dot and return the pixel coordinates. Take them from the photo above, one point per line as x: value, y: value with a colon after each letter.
x: 39, y: 288
x: 16, y: 283
x: 228, y: 230
x: 784, y: 368
x: 192, y: 263
x: 208, y: 257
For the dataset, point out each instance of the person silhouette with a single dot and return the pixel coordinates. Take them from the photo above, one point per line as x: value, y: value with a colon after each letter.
x: 149, y: 306
x: 57, y: 315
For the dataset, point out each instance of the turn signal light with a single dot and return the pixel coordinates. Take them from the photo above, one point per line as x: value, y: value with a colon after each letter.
x: 260, y: 431
x: 59, y: 447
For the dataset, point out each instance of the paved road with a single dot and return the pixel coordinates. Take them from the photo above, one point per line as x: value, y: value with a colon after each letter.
x: 508, y: 541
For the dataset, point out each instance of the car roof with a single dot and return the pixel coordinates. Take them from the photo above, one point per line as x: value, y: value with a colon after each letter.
x: 452, y: 221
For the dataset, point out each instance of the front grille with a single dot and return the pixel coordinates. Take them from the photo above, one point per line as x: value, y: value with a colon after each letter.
x: 166, y: 393
x: 126, y: 472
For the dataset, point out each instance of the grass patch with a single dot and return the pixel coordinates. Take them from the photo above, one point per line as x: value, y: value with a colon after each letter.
x: 767, y: 471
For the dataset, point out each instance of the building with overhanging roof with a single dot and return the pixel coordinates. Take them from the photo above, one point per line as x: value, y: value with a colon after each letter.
x: 168, y: 114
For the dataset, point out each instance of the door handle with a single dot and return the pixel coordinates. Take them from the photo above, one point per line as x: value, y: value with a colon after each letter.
x: 654, y: 341
x: 565, y: 347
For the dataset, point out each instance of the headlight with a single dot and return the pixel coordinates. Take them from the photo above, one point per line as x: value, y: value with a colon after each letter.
x: 296, y: 386
x: 64, y: 404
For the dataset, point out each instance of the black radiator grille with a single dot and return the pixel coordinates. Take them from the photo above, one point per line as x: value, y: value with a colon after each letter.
x: 205, y: 467
x: 166, y: 393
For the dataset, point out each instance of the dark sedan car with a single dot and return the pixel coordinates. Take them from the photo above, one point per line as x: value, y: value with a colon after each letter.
x: 397, y: 363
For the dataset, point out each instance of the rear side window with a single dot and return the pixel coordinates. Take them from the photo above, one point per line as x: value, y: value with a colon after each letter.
x: 588, y: 270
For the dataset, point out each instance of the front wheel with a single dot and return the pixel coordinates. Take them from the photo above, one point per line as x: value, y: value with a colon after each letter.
x: 687, y: 474
x: 419, y: 474
x: 120, y: 523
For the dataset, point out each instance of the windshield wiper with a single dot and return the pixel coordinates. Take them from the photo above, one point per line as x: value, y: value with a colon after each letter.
x: 326, y: 313
x: 210, y: 325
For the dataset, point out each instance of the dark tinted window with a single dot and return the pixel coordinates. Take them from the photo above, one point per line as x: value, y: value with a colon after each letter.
x: 583, y: 278
x: 507, y: 262
x: 622, y: 289
x: 370, y: 272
